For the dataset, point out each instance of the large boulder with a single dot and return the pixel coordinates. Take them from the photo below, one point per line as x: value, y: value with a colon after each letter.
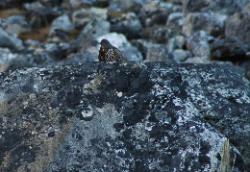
x: 109, y: 117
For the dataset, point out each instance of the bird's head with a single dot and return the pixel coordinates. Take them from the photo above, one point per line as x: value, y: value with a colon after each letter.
x: 105, y: 44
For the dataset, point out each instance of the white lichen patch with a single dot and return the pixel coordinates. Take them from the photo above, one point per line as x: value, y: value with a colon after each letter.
x: 119, y: 94
x: 87, y: 114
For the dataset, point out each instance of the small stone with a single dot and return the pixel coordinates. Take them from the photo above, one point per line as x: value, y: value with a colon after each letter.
x: 180, y: 55
x: 177, y: 42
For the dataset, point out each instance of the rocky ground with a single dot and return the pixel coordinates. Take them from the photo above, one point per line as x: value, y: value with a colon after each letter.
x: 181, y: 103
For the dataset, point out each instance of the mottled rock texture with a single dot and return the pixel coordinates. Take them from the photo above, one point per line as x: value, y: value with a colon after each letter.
x: 109, y: 117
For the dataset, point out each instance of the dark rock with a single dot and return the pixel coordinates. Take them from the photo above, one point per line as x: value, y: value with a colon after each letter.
x: 195, y: 5
x: 155, y: 13
x: 51, y: 132
x: 40, y: 15
x: 157, y: 33
x: 30, y: 59
x: 51, y: 3
x: 153, y: 118
x: 222, y: 6
x: 11, y: 3
x: 84, y: 55
x: 210, y: 22
x: 56, y: 51
x: 118, y: 7
x: 238, y: 26
x: 128, y: 24
x: 152, y: 51
x: 88, y: 3
x: 229, y: 49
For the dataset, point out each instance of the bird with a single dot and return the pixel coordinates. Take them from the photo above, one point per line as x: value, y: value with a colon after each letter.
x: 109, y: 53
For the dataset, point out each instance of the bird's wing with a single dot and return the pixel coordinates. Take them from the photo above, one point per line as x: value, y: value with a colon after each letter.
x: 114, y: 54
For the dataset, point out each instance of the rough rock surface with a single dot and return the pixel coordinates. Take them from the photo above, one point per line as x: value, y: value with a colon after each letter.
x: 103, y: 117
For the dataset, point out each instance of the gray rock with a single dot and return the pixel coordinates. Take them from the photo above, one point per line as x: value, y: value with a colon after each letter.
x: 168, y: 117
x: 15, y: 25
x: 175, y: 22
x: 212, y: 23
x: 177, y: 42
x: 9, y: 40
x: 152, y: 51
x: 237, y: 26
x: 157, y: 33
x: 198, y: 44
x: 83, y: 16
x: 128, y: 24
x: 9, y: 3
x: 86, y: 54
x: 40, y: 13
x: 55, y: 51
x: 118, y: 7
x: 62, y: 23
x: 30, y: 59
x: 180, y: 55
x: 155, y: 13
x: 96, y: 28
x: 88, y: 37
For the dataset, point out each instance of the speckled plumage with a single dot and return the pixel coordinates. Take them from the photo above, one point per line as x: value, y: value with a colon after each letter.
x: 109, y: 53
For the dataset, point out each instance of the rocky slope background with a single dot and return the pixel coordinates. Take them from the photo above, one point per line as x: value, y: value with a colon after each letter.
x: 182, y: 103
